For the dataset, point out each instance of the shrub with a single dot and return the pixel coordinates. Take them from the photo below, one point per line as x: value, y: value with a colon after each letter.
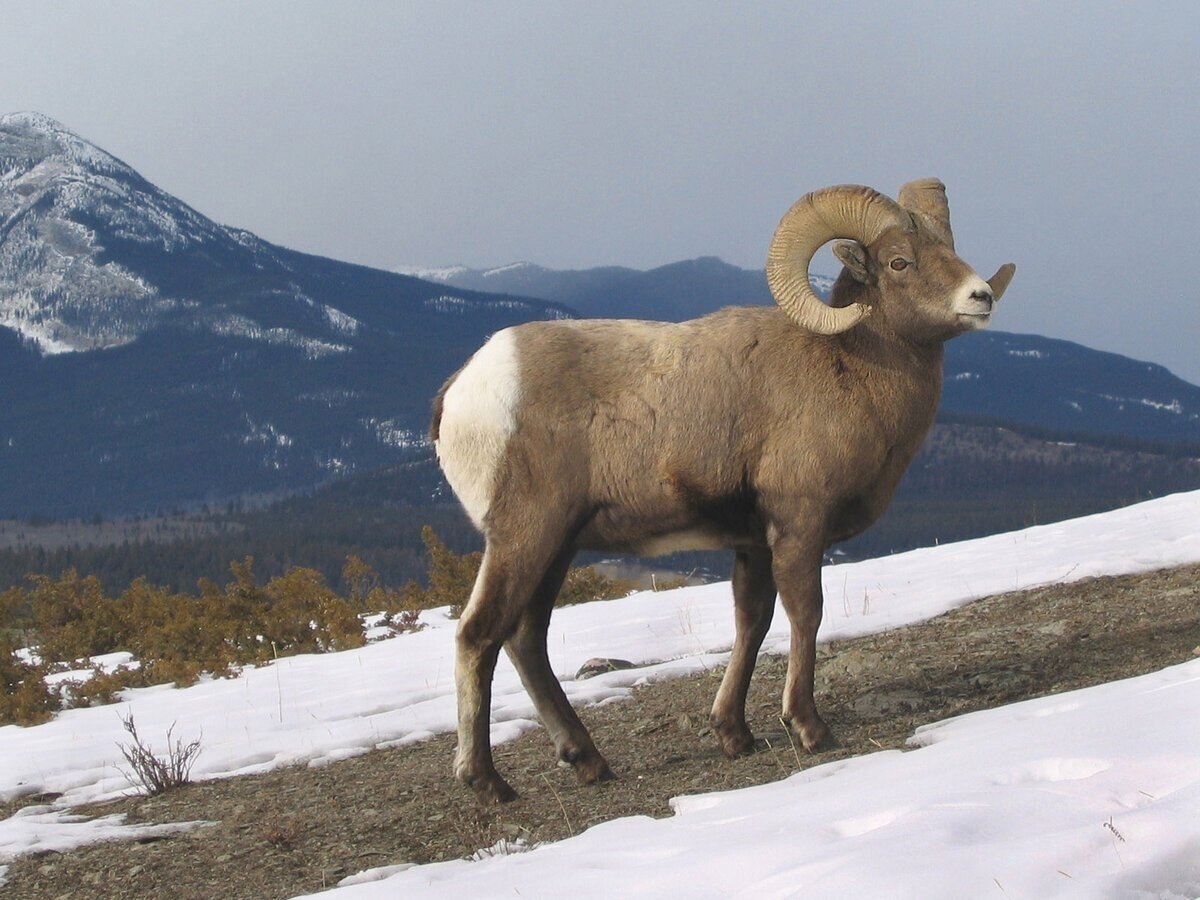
x: 26, y: 699
x: 304, y: 615
x: 102, y: 687
x: 451, y: 575
x: 585, y: 583
x: 154, y: 774
x: 176, y: 637
x: 73, y: 618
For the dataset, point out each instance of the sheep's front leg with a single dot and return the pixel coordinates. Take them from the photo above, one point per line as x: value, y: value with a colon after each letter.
x: 754, y: 605
x: 797, y: 568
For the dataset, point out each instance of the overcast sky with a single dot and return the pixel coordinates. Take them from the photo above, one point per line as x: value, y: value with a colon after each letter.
x: 581, y: 134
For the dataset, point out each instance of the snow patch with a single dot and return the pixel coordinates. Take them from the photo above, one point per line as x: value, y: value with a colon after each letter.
x: 511, y: 267
x: 1172, y: 406
x: 459, y: 306
x: 445, y: 273
x: 392, y: 433
x: 340, y: 321
x: 234, y: 325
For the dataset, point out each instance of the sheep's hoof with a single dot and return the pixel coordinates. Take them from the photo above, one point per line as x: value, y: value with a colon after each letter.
x: 489, y: 788
x: 735, y: 740
x: 815, y: 736
x: 594, y: 770
x: 587, y: 762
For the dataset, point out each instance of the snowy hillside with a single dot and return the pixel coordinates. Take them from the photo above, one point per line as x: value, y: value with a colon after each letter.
x: 1017, y: 794
x: 93, y: 256
x: 62, y: 200
x: 230, y: 365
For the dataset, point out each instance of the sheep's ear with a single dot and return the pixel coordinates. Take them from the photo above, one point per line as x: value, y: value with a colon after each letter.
x: 853, y: 256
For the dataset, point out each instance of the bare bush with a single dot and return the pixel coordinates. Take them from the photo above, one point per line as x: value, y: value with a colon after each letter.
x: 154, y: 774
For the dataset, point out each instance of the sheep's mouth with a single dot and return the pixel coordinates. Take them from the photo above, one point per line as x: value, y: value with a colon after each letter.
x: 975, y: 320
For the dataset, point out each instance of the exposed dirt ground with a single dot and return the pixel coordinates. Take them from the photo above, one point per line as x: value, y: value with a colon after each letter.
x: 298, y: 830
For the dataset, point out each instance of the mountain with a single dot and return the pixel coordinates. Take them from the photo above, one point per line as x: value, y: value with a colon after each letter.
x: 1065, y: 387
x: 990, y: 375
x: 151, y: 357
x: 671, y: 293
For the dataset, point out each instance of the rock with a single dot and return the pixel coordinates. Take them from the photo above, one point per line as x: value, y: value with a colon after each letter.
x: 599, y: 665
x: 879, y: 704
x: 855, y: 662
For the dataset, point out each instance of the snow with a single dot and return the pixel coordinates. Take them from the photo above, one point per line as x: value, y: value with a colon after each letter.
x: 105, y: 662
x: 511, y: 267
x: 1010, y: 802
x: 1174, y: 406
x: 340, y: 321
x: 1042, y: 798
x: 447, y: 303
x: 393, y: 434
x: 428, y: 273
x: 235, y: 325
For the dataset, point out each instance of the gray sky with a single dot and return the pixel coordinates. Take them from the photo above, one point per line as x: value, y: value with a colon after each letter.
x: 580, y: 134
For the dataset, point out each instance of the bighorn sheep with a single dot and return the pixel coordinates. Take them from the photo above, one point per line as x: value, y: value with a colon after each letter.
x: 775, y: 432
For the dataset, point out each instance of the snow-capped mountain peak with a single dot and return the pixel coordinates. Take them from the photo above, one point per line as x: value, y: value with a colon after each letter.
x: 36, y: 136
x: 77, y: 229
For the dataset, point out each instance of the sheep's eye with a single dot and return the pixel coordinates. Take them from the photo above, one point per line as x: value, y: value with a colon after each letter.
x: 899, y: 264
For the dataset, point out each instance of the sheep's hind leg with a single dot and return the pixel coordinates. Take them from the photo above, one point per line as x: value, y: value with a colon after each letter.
x: 754, y: 605
x: 489, y: 618
x: 528, y: 652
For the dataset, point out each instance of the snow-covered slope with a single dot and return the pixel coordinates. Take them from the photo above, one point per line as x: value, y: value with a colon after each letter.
x: 62, y: 202
x: 1040, y: 799
x: 92, y: 256
x: 321, y: 708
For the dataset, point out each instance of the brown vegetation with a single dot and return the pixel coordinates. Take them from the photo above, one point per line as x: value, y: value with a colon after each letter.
x: 177, y: 637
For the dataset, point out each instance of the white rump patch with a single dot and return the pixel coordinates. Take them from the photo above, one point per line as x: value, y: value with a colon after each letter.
x: 479, y: 415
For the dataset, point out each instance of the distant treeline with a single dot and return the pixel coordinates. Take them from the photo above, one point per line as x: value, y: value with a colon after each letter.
x: 1167, y: 449
x: 312, y: 533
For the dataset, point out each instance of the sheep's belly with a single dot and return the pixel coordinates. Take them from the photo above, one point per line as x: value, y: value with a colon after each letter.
x: 697, y: 539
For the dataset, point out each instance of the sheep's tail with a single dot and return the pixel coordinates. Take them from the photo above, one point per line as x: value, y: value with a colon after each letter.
x: 435, y: 423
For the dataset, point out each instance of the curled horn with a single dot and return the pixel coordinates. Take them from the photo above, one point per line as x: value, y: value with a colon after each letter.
x: 847, y: 211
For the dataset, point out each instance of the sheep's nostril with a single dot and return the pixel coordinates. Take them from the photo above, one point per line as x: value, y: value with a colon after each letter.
x: 982, y: 296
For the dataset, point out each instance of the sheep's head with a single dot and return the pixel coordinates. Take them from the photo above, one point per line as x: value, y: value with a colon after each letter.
x: 901, y: 253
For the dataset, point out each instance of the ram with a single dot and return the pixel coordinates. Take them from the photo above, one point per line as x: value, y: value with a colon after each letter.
x: 771, y: 431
